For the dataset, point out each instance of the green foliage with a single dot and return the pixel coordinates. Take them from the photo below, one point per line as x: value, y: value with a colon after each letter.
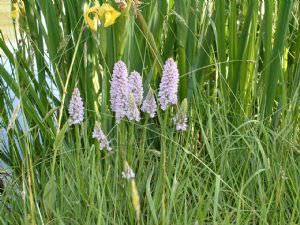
x: 238, y: 163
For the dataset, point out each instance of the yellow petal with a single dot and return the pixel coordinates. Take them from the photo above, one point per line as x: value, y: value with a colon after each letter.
x: 14, y: 14
x: 92, y: 23
x: 101, y: 10
x: 14, y: 11
x: 106, y: 7
x: 110, y: 14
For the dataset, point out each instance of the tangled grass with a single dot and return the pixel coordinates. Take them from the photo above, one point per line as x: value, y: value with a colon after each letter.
x: 236, y: 163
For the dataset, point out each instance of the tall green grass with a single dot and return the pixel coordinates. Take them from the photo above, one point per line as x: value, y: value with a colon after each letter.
x: 238, y: 162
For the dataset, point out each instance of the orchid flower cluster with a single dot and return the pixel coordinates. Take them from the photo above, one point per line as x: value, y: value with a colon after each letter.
x: 94, y: 14
x: 126, y: 98
x: 76, y: 113
x: 126, y: 94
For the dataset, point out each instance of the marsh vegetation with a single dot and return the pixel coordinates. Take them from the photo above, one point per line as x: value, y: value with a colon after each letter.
x: 151, y: 112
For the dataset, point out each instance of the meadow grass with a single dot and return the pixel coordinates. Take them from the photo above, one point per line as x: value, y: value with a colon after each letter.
x: 238, y: 161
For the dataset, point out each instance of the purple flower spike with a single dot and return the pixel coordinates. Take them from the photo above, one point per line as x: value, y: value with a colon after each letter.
x: 180, y: 120
x: 119, y: 90
x: 133, y: 112
x: 76, y: 108
x: 128, y: 172
x: 136, y: 87
x: 101, y: 137
x: 149, y: 104
x: 169, y: 84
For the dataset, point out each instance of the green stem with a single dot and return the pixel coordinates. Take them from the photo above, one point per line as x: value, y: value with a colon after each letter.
x: 164, y: 164
x: 150, y: 40
x: 78, y: 156
x: 130, y: 149
x: 142, y: 148
x: 77, y: 139
x: 67, y: 80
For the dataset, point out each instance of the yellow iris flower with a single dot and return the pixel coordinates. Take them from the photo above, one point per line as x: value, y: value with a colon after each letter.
x: 109, y: 13
x: 105, y: 11
x: 17, y: 8
x: 91, y: 22
x: 14, y: 11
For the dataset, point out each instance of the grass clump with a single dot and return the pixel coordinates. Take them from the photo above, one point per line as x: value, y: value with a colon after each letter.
x: 217, y: 141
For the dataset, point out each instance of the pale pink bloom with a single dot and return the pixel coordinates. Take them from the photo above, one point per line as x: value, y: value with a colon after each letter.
x: 76, y: 109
